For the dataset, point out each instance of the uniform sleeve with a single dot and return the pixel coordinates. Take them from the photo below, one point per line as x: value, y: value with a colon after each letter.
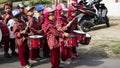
x: 16, y: 31
x: 31, y: 27
x: 56, y: 32
x: 60, y: 26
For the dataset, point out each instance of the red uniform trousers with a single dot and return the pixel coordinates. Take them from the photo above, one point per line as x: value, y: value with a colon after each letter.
x: 23, y: 52
x: 46, y: 50
x: 34, y: 53
x: 55, y: 57
x: 9, y: 44
x: 65, y: 52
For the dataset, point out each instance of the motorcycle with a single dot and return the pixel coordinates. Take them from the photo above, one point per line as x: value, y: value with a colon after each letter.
x: 92, y: 15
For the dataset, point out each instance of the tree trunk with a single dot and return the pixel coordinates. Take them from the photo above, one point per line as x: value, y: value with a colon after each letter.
x: 116, y: 1
x: 10, y: 1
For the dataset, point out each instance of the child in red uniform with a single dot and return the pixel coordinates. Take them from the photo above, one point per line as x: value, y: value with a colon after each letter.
x: 10, y: 43
x: 62, y: 25
x: 73, y: 26
x: 53, y: 36
x: 40, y: 9
x: 21, y: 8
x: 34, y: 30
x: 21, y: 40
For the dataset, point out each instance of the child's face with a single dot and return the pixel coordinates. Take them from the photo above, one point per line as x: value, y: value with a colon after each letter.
x: 7, y: 9
x: 64, y: 13
x: 21, y: 9
x: 51, y: 16
x: 40, y: 12
x: 73, y: 13
x: 30, y: 13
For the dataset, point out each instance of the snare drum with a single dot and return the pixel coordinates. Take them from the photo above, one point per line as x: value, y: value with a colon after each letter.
x: 4, y: 33
x: 87, y: 39
x: 80, y: 35
x: 35, y: 41
x: 71, y: 41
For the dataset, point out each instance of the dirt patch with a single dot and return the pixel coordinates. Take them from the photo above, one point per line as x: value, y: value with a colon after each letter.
x: 103, y: 40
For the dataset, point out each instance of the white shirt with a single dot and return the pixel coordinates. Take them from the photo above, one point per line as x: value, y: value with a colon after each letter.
x: 10, y: 24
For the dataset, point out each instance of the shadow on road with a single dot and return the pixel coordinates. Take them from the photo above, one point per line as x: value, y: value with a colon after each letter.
x: 84, y: 61
x: 4, y: 60
x: 103, y: 26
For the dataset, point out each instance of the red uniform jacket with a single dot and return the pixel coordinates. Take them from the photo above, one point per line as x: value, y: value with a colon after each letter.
x: 33, y: 26
x: 40, y: 21
x: 17, y: 28
x: 61, y: 23
x: 5, y: 20
x: 53, y: 36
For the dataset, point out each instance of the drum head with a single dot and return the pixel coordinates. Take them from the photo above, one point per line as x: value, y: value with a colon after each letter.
x: 88, y: 35
x: 36, y: 36
x: 0, y: 35
x: 78, y: 31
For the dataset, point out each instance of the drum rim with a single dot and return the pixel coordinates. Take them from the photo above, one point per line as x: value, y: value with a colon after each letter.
x: 0, y: 35
x: 35, y: 36
x: 78, y: 31
x: 88, y: 35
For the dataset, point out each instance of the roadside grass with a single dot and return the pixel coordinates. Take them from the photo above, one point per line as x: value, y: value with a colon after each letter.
x: 110, y: 46
x: 116, y: 47
x: 113, y: 47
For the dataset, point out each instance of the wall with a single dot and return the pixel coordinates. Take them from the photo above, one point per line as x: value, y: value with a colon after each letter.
x: 113, y: 7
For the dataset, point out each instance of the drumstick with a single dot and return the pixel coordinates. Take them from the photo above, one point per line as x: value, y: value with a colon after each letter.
x: 70, y: 22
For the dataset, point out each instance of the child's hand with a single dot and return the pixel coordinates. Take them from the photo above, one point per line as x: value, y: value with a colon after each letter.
x: 66, y: 34
x: 23, y: 32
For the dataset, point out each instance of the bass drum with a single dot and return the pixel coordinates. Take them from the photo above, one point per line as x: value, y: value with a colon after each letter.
x: 4, y: 33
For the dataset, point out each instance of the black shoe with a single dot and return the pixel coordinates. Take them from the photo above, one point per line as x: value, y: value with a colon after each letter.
x: 14, y: 53
x: 7, y: 55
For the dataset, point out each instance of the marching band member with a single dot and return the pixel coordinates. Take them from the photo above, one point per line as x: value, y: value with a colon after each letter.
x: 10, y: 43
x: 62, y: 25
x: 34, y: 30
x: 53, y: 36
x: 20, y: 34
x: 40, y: 9
x: 73, y: 26
x: 21, y: 8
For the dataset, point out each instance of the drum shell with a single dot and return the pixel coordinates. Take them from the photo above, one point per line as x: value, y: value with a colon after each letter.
x: 5, y: 33
x: 71, y: 41
x: 80, y: 37
x: 87, y: 40
x: 35, y: 42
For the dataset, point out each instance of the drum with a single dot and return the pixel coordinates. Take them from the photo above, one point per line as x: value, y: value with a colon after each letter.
x: 80, y: 35
x: 71, y: 41
x: 4, y: 33
x: 35, y: 41
x: 87, y: 39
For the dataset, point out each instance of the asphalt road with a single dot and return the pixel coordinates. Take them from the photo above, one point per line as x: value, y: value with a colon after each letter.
x: 80, y: 62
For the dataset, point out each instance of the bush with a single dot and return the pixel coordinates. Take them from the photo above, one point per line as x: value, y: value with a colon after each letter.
x: 33, y: 2
x: 3, y: 1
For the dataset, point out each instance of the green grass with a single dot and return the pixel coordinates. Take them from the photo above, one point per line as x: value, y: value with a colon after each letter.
x: 3, y: 1
x: 116, y: 48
